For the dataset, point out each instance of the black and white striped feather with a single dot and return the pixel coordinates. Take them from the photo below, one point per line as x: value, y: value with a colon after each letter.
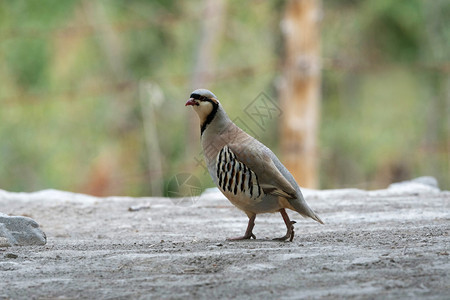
x: 235, y: 177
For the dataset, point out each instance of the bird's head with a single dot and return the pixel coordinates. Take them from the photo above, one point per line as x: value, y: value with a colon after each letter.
x: 205, y: 105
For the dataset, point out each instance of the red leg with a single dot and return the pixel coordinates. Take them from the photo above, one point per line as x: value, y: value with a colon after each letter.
x: 289, y: 225
x: 248, y: 233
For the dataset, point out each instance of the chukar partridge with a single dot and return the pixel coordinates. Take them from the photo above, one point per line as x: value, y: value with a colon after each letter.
x: 246, y: 172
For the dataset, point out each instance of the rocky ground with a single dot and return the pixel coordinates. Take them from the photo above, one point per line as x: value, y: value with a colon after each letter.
x: 391, y: 243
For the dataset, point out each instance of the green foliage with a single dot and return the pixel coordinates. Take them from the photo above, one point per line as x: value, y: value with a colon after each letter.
x: 27, y: 62
x: 394, y: 29
x: 70, y: 73
x: 380, y: 122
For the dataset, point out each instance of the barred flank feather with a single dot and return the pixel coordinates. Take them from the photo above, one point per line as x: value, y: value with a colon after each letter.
x: 236, y: 177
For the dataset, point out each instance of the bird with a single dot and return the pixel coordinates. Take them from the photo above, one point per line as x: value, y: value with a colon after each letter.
x: 247, y: 172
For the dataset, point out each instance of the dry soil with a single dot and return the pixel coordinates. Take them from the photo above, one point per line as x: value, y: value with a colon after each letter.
x: 391, y: 243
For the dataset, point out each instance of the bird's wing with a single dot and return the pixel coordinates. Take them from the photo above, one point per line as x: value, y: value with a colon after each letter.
x: 256, y: 157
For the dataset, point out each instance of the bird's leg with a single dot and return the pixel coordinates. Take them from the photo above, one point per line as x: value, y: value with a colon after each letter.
x: 248, y: 233
x: 289, y: 225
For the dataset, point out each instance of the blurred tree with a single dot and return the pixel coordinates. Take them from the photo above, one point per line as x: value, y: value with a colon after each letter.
x: 212, y: 24
x: 377, y: 81
x: 71, y: 116
x: 300, y: 90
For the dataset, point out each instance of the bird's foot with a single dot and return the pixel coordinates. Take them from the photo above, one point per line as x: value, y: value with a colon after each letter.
x: 289, y: 234
x: 245, y: 237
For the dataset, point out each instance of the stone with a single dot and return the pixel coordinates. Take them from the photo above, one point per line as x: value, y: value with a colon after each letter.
x: 427, y: 182
x: 20, y: 231
x: 11, y: 255
x: 4, y: 242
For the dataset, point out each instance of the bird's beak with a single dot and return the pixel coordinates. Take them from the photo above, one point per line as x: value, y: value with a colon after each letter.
x: 191, y: 102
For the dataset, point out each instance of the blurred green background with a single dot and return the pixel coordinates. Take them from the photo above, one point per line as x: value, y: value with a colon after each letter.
x: 75, y: 79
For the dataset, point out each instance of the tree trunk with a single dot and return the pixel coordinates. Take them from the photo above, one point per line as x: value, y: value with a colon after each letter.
x: 300, y: 90
x: 150, y: 95
x: 212, y: 27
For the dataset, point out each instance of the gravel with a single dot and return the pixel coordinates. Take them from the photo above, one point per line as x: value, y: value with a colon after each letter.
x: 384, y: 244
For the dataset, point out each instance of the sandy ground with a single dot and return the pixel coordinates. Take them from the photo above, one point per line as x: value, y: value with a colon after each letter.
x: 390, y: 243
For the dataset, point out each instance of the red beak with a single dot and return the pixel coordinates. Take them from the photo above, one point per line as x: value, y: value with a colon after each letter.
x: 191, y: 102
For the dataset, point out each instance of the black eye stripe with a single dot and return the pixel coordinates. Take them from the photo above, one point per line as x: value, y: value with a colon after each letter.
x: 200, y: 97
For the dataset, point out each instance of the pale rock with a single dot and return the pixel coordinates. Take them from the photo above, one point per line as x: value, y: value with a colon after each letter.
x: 20, y: 231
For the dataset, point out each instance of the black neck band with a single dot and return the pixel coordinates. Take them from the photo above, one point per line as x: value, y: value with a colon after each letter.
x: 211, y: 115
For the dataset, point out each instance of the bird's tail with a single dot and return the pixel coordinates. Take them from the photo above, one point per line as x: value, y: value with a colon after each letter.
x: 302, y: 208
x: 316, y: 218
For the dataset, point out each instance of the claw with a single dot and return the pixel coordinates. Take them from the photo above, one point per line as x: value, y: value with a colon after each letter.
x: 292, y: 234
x: 289, y: 234
x: 245, y: 237
x: 283, y: 238
x: 248, y: 233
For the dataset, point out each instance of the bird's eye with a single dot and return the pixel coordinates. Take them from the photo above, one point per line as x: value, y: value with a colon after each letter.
x: 199, y: 97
